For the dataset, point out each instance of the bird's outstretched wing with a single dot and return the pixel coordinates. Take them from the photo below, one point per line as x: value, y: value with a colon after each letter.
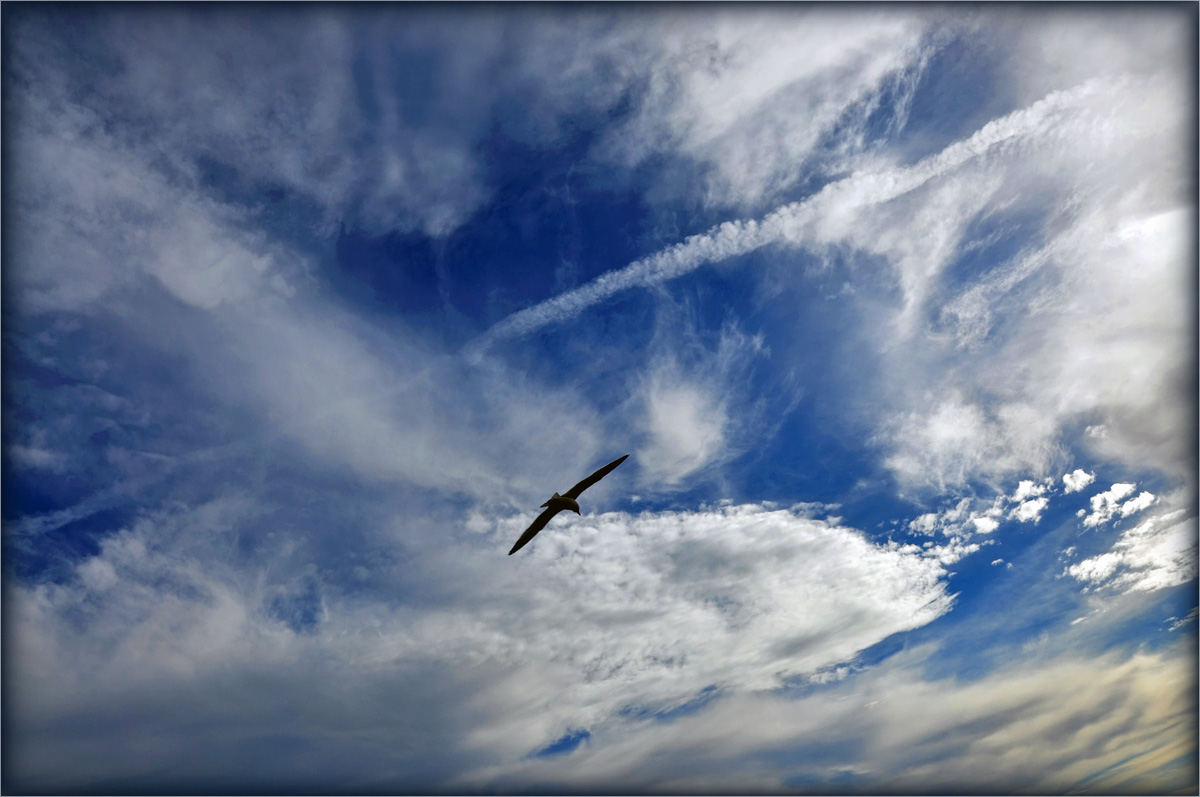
x: 537, y: 525
x: 595, y: 477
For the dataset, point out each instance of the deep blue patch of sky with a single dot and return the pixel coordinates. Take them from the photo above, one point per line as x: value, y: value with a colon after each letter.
x: 958, y: 93
x: 564, y: 745
x: 702, y: 699
x: 1002, y: 235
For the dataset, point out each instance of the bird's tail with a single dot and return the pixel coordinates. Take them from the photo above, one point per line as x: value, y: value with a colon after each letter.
x: 556, y: 495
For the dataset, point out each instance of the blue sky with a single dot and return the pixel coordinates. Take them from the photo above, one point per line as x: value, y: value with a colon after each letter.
x: 307, y: 309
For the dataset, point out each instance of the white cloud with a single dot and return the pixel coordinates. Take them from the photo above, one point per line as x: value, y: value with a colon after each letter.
x: 731, y: 92
x: 694, y: 570
x: 1144, y: 500
x: 822, y: 220
x: 404, y: 413
x: 103, y: 217
x: 1077, y: 480
x: 98, y: 218
x: 957, y: 439
x: 1056, y: 47
x: 1030, y: 510
x: 692, y: 403
x: 990, y: 423
x: 948, y: 521
x: 1159, y: 552
x: 630, y: 611
x: 173, y: 633
x: 686, y: 429
x: 1027, y: 488
x: 890, y: 730
x: 1095, y: 569
x: 1029, y: 506
x: 328, y: 127
x: 959, y: 522
x: 1181, y: 622
x: 985, y: 525
x: 1106, y: 504
x: 1092, y: 322
x: 953, y: 551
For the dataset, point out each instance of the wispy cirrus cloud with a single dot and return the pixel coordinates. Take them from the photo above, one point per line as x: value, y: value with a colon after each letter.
x: 1157, y: 553
x: 816, y: 221
x: 254, y: 318
x: 723, y: 91
x: 926, y: 734
x: 692, y: 400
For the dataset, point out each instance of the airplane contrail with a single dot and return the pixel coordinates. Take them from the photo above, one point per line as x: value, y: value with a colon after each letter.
x: 789, y: 222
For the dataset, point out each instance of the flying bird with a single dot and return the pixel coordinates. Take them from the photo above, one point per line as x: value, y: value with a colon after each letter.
x: 558, y: 503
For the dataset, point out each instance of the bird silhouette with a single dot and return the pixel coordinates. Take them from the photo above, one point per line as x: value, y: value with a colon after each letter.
x: 558, y: 503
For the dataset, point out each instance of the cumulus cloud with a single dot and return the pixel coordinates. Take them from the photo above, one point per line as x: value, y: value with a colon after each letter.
x: 1030, y: 510
x: 1144, y: 500
x: 985, y: 525
x: 1109, y: 503
x: 1026, y: 489
x: 1159, y: 552
x: 960, y: 520
x: 1105, y: 504
x: 1030, y: 499
x: 1077, y: 480
x: 957, y: 524
x: 947, y: 521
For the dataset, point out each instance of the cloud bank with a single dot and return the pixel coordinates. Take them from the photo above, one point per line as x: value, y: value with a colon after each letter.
x: 627, y: 613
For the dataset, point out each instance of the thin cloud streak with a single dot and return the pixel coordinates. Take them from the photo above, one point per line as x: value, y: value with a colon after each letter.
x: 1070, y: 722
x: 788, y: 223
